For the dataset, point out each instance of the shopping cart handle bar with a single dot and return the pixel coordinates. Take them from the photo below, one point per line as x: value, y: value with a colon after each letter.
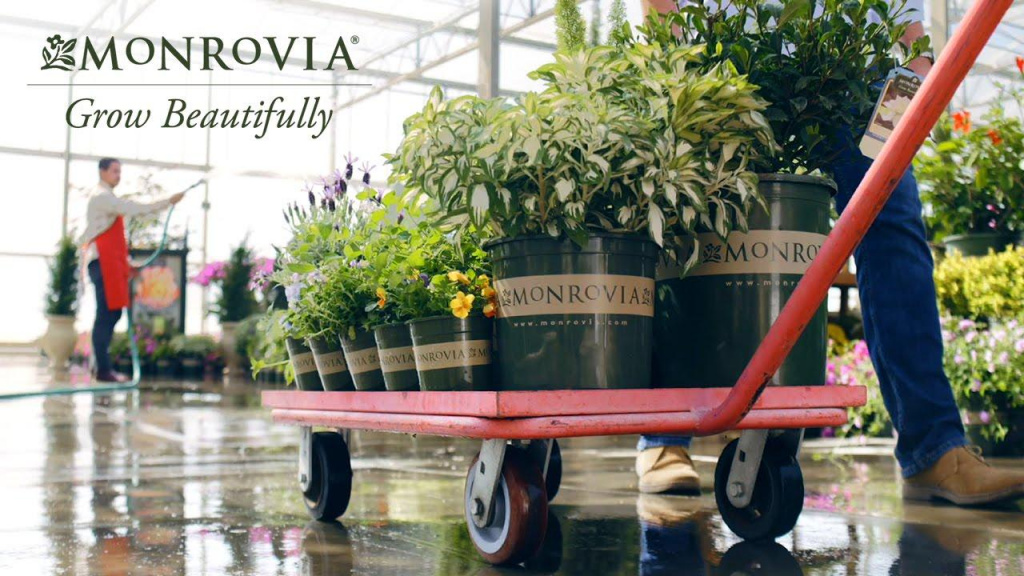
x: 932, y: 98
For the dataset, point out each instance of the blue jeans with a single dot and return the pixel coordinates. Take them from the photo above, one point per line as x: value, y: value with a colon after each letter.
x: 103, y: 325
x: 901, y: 323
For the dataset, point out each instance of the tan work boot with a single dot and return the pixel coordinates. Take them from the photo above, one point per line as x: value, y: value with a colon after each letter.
x: 962, y: 477
x: 666, y: 469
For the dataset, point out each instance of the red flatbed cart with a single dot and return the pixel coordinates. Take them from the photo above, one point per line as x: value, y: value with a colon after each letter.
x: 758, y: 484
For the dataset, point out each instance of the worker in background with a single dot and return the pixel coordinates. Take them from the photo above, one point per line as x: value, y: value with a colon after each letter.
x: 105, y: 250
x: 901, y: 326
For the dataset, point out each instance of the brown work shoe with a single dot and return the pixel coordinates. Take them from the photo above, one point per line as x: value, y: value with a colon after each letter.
x: 962, y: 477
x: 666, y: 469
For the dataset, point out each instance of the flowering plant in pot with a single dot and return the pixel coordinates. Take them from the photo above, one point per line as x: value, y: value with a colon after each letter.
x: 625, y: 151
x: 853, y: 367
x: 61, y: 305
x: 972, y: 181
x: 985, y: 365
x: 192, y: 351
x: 234, y: 301
x: 817, y: 72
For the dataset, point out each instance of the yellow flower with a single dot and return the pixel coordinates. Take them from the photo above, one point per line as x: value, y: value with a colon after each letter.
x: 490, y: 310
x: 456, y: 276
x: 488, y: 292
x: 382, y: 297
x: 462, y: 304
x: 484, y: 280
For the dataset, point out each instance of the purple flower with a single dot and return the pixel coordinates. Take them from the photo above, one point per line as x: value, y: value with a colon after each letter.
x: 1003, y: 359
x: 966, y: 323
x: 991, y: 208
x: 358, y: 264
x: 858, y: 423
x: 293, y: 292
x: 860, y: 349
x: 426, y: 280
x: 828, y: 432
x: 971, y: 336
x: 349, y: 161
x: 958, y: 359
x: 947, y: 336
x: 830, y: 380
x: 985, y: 417
x: 976, y: 386
x: 401, y: 216
x: 992, y: 224
x: 1019, y: 346
x: 312, y: 199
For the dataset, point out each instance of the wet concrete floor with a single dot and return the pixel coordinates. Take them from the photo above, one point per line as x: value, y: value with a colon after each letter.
x: 195, y: 479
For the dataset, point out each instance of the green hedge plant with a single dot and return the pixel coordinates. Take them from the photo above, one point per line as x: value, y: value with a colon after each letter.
x: 982, y: 288
x: 62, y: 293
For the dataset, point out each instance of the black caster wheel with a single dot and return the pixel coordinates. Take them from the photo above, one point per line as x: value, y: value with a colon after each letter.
x: 778, y: 495
x: 520, y: 511
x: 553, y: 480
x: 330, y: 484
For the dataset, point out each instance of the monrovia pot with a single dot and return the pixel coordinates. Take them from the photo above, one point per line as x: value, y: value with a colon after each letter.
x: 397, y: 361
x: 192, y: 368
x: 454, y: 353
x: 59, y: 340
x: 574, y: 317
x: 363, y: 361
x: 708, y: 324
x: 330, y: 364
x: 306, y: 377
x: 979, y: 243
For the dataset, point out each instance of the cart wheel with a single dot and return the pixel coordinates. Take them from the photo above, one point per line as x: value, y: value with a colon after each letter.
x: 554, y: 478
x: 330, y: 485
x: 755, y: 558
x: 778, y: 495
x: 520, y: 511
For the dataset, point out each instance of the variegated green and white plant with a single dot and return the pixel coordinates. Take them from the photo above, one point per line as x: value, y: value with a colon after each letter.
x: 633, y: 141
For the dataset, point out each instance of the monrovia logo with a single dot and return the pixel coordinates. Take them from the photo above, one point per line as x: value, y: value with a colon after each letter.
x: 575, y: 294
x: 59, y: 55
x: 212, y: 53
x: 754, y: 252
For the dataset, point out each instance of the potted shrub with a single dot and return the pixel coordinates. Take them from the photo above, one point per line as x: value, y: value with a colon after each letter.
x: 192, y: 352
x: 450, y: 347
x: 61, y: 305
x: 973, y: 182
x: 817, y: 72
x: 164, y: 360
x: 121, y: 353
x: 235, y: 300
x: 582, y: 183
x: 985, y: 364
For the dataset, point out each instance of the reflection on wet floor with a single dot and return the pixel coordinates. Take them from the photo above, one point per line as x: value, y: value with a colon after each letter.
x: 195, y: 479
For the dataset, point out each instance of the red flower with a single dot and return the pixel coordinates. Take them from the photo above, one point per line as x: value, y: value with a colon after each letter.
x: 962, y: 121
x: 994, y: 137
x: 1020, y: 64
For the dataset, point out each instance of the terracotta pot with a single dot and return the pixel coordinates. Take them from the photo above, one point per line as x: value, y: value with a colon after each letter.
x: 59, y: 340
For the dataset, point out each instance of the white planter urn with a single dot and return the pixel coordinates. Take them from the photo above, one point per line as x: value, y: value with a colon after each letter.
x: 59, y: 341
x: 232, y: 361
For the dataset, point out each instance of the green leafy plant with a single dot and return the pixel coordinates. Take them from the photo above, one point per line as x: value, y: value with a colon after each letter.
x: 634, y: 140
x: 972, y: 177
x: 236, y: 301
x: 819, y: 70
x: 981, y: 288
x: 985, y: 365
x: 195, y: 347
x: 618, y: 25
x: 62, y: 293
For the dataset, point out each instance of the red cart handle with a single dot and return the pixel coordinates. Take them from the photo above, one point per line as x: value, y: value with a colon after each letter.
x: 933, y: 97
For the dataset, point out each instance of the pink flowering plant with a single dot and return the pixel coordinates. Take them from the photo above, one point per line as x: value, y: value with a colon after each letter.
x: 854, y: 368
x: 985, y: 365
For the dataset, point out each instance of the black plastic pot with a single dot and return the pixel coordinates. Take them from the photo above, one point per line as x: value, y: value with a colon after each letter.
x: 397, y: 360
x: 454, y: 353
x: 192, y: 368
x: 571, y: 317
x: 306, y: 377
x: 709, y: 324
x: 979, y: 243
x: 330, y: 364
x: 363, y: 361
x: 166, y: 368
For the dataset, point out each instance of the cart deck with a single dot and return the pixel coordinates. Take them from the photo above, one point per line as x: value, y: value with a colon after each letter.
x: 558, y: 413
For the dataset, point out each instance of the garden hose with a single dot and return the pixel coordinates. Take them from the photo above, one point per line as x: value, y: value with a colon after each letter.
x: 133, y: 345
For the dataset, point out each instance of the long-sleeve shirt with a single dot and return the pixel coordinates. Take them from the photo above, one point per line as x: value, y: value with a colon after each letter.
x: 104, y: 207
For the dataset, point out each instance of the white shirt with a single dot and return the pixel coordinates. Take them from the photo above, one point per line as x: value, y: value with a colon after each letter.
x: 104, y: 207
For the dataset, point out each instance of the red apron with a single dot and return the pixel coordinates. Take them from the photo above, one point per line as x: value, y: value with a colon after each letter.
x: 115, y: 268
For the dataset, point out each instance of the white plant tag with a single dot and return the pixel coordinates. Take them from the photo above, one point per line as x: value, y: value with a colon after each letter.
x: 899, y: 89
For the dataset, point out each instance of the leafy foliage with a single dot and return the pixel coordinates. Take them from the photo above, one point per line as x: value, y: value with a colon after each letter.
x: 618, y: 25
x: 62, y: 294
x: 818, y: 70
x: 197, y: 346
x: 634, y: 140
x: 853, y: 367
x: 236, y: 301
x: 972, y: 177
x: 981, y: 288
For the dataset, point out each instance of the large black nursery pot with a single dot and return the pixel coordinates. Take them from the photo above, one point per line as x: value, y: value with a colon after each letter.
x: 397, y: 360
x: 574, y: 317
x: 363, y: 361
x: 454, y: 354
x: 306, y: 376
x: 330, y: 364
x: 708, y: 324
x: 979, y: 243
